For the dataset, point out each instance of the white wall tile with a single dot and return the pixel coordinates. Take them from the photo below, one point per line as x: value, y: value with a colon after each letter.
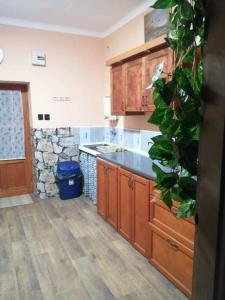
x: 85, y: 135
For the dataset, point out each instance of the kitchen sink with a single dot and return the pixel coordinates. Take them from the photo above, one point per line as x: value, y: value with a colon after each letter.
x: 105, y: 148
x: 95, y: 146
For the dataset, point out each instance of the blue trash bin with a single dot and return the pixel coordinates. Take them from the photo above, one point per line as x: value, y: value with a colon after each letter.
x: 69, y: 180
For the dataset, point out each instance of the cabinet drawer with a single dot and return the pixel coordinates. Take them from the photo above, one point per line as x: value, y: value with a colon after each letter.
x: 182, y: 230
x: 172, y: 259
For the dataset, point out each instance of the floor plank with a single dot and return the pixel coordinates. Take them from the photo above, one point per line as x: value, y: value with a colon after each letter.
x: 63, y: 250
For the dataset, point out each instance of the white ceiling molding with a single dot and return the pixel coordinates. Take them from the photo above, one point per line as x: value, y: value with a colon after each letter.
x: 49, y: 27
x: 78, y: 31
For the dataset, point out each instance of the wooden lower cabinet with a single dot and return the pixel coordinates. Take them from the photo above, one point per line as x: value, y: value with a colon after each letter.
x: 171, y: 258
x: 124, y: 204
x: 165, y: 219
x: 171, y: 243
x: 131, y: 204
x: 133, y: 209
x: 107, y: 191
x: 140, y: 210
x: 102, y: 187
x: 112, y: 196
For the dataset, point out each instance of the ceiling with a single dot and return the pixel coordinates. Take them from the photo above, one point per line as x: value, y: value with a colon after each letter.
x: 87, y: 17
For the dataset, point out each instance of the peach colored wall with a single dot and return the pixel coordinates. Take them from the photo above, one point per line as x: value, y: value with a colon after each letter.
x: 129, y: 36
x: 75, y: 68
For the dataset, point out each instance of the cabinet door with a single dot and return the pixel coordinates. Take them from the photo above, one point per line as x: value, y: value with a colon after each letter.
x: 101, y: 188
x: 112, y: 195
x: 124, y: 204
x: 140, y: 211
x: 172, y: 258
x: 133, y: 85
x: 151, y: 62
x: 117, y: 90
x: 183, y: 230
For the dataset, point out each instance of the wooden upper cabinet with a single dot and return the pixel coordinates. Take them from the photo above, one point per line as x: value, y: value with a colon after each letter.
x: 130, y: 80
x: 151, y: 62
x: 134, y: 85
x: 117, y: 90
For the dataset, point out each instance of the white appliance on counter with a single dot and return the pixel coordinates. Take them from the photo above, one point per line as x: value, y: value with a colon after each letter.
x: 107, y: 110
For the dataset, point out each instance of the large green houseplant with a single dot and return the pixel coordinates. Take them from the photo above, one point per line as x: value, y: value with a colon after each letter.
x: 178, y: 105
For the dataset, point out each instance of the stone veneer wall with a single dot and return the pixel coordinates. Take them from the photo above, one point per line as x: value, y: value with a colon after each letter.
x: 49, y: 147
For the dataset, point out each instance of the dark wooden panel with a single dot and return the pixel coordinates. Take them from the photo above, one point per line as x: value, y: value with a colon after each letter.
x: 209, y: 266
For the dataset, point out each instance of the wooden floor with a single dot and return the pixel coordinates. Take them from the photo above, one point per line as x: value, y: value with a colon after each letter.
x: 55, y: 249
x: 15, y: 200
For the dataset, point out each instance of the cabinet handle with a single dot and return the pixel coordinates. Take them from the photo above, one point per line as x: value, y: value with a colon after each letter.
x: 105, y: 170
x: 122, y: 106
x: 173, y: 244
x: 174, y: 211
x: 132, y: 183
x: 129, y: 182
x: 146, y: 100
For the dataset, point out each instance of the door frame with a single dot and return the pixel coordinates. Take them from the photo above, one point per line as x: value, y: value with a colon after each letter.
x: 209, y: 261
x: 24, y: 88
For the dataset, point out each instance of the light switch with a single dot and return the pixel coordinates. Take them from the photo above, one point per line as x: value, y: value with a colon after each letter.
x: 47, y: 117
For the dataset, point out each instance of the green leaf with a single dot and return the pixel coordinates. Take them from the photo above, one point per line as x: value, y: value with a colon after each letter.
x: 188, y: 155
x: 170, y: 127
x: 161, y: 4
x: 164, y: 150
x: 166, y: 197
x: 172, y: 43
x: 186, y: 209
x: 188, y: 186
x: 186, y: 10
x: 161, y: 114
x: 164, y: 180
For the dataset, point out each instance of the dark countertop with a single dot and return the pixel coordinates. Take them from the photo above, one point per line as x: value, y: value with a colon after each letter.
x: 136, y: 163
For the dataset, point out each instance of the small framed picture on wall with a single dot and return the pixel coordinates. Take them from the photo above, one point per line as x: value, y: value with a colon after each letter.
x: 156, y: 24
